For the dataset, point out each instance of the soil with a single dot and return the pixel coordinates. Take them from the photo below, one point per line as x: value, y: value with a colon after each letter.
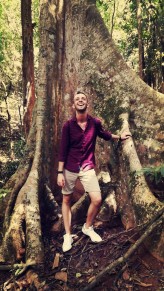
x: 75, y: 269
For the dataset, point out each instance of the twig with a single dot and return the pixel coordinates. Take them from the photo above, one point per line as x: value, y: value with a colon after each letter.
x: 10, y: 267
x: 123, y: 258
x: 118, y: 275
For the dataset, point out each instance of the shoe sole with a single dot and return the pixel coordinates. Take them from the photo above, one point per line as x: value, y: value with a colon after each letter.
x: 95, y: 241
x: 69, y: 248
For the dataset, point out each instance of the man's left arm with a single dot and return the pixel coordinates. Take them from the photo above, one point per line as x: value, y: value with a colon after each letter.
x: 107, y: 135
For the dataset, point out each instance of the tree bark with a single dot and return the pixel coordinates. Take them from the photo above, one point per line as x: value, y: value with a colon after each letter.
x: 27, y: 64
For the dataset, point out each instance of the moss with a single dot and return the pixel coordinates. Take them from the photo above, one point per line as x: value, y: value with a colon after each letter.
x: 85, y: 55
x: 145, y: 212
x: 110, y: 111
x: 76, y: 9
x: 107, y: 105
x: 139, y: 134
x: 140, y: 212
x: 161, y: 125
x: 91, y: 1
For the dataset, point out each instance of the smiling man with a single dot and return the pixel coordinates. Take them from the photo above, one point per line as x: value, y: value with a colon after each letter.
x: 77, y: 160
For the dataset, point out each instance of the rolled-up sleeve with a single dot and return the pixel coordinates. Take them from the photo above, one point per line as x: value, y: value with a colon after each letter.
x: 64, y: 143
x: 106, y: 135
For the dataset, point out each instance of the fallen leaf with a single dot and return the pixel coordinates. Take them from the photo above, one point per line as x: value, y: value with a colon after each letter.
x: 126, y: 275
x: 91, y: 279
x: 63, y: 270
x: 56, y: 261
x: 9, y: 287
x: 62, y: 276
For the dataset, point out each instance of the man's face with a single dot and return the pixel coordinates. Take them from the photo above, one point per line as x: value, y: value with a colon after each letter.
x: 80, y: 102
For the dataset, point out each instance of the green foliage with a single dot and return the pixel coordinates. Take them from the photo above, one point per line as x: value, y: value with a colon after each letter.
x: 1, y: 46
x: 125, y: 34
x: 152, y: 29
x: 1, y: 43
x: 19, y: 146
x: 105, y: 9
x: 156, y: 174
x: 3, y: 192
x: 7, y: 170
x: 35, y: 20
x: 10, y: 30
x: 12, y: 143
x: 10, y: 48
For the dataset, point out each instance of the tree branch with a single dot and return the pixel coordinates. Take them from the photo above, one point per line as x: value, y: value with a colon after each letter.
x: 124, y: 258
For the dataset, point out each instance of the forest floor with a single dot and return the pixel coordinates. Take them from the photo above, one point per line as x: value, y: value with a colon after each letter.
x: 74, y: 270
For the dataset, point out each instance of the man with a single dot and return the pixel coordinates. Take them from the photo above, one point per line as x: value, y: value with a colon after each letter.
x: 77, y: 160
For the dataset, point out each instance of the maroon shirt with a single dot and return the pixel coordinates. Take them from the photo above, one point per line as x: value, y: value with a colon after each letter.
x: 77, y: 146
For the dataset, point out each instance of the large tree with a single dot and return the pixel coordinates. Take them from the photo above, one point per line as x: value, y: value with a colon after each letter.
x: 77, y: 52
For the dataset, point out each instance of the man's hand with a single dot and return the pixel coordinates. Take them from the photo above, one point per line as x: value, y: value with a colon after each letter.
x: 125, y: 136
x: 61, y: 180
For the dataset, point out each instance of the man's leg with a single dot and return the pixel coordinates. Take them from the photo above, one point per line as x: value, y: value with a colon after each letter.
x: 92, y: 212
x: 66, y: 211
x: 91, y: 185
x: 70, y: 179
x: 93, y: 208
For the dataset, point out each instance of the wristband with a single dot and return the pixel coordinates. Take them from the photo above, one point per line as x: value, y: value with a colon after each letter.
x: 59, y: 172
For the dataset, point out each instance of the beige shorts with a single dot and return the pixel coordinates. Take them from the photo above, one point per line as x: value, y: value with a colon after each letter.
x: 87, y: 178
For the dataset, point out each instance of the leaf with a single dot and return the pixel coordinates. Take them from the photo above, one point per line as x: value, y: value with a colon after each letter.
x: 9, y: 287
x: 157, y: 176
x: 126, y: 275
x: 91, y: 279
x: 56, y: 261
x: 154, y: 173
x: 62, y: 276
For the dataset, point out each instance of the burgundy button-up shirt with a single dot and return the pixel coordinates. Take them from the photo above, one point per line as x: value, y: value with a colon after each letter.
x: 77, y: 146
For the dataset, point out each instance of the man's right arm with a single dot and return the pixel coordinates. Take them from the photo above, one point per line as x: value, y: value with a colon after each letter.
x: 60, y: 177
x: 63, y: 152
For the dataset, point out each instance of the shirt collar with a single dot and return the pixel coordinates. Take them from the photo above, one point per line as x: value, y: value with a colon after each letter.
x: 75, y: 119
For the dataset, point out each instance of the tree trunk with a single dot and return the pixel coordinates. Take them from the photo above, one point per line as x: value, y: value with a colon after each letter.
x: 77, y: 52
x: 140, y: 43
x: 27, y: 64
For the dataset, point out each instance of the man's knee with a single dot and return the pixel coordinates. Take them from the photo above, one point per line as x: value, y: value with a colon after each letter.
x: 96, y: 199
x: 67, y: 199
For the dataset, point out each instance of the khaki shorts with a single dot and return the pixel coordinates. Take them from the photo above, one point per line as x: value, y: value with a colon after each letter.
x: 87, y: 178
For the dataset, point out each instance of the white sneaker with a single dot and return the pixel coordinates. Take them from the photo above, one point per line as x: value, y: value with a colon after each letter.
x: 91, y: 233
x: 67, y: 244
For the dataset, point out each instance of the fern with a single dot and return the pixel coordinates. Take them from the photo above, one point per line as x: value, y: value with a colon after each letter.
x: 155, y: 173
